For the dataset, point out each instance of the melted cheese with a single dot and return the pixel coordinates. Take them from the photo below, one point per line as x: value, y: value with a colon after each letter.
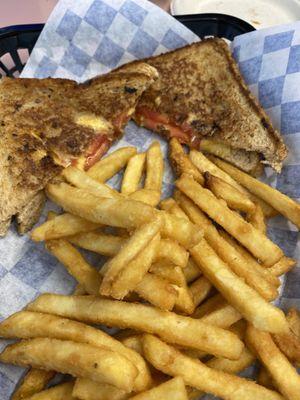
x: 94, y: 122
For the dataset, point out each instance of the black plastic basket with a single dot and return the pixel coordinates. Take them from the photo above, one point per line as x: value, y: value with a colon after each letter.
x: 17, y: 42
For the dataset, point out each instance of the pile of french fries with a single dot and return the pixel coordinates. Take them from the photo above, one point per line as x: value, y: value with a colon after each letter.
x: 188, y: 281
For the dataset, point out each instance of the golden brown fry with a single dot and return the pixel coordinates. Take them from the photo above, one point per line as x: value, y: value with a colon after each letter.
x: 172, y: 207
x: 27, y: 325
x: 123, y: 213
x: 61, y: 226
x: 223, y: 317
x: 191, y: 272
x: 33, y: 382
x: 79, y: 290
x: 257, y: 219
x: 131, y: 249
x: 284, y: 265
x: 86, y: 389
x: 75, y: 264
x: 134, y: 342
x: 169, y: 250
x: 101, y: 243
x: 284, y: 374
x: 234, y: 198
x: 169, y: 272
x: 194, y: 373
x: 147, y: 196
x: 184, y: 302
x: 245, y: 299
x: 174, y: 389
x: 133, y: 173
x: 82, y: 180
x: 293, y: 318
x: 233, y: 366
x: 212, y: 304
x: 107, y: 167
x: 289, y: 344
x: 99, y: 364
x: 264, y: 378
x: 157, y: 291
x: 181, y: 162
x: 154, y: 167
x: 282, y: 203
x: 259, y: 245
x: 59, y: 392
x: 177, y: 329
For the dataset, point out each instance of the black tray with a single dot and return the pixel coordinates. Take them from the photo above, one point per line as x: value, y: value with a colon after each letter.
x: 14, y: 38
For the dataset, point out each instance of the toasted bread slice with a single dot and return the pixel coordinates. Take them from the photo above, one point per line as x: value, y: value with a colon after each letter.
x: 200, y: 93
x: 30, y: 214
x: 47, y: 124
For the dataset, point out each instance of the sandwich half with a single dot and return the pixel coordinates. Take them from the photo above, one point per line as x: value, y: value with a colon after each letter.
x: 200, y: 94
x: 49, y: 124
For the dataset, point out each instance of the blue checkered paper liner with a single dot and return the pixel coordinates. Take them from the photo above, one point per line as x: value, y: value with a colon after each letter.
x: 84, y: 38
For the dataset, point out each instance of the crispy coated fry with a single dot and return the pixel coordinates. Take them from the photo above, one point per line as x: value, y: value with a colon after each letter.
x: 133, y: 275
x: 133, y: 173
x: 123, y: 213
x: 82, y: 180
x: 246, y: 300
x: 184, y: 302
x: 75, y: 264
x: 282, y: 203
x: 284, y: 265
x: 173, y: 252
x: 157, y: 291
x: 184, y: 331
x: 169, y: 272
x: 234, y: 198
x: 284, y: 374
x: 289, y: 344
x: 181, y: 162
x: 33, y: 382
x: 194, y: 373
x: 212, y: 304
x: 200, y: 289
x: 101, y: 243
x: 174, y: 389
x: 86, y: 389
x: 154, y: 168
x: 61, y: 226
x: 223, y: 317
x: 257, y: 219
x: 99, y: 364
x: 233, y: 366
x: 26, y: 325
x: 172, y: 207
x: 147, y: 196
x: 191, y: 272
x: 264, y: 378
x: 59, y: 392
x: 134, y: 342
x: 131, y: 249
x: 111, y: 164
x: 259, y: 245
x: 293, y: 318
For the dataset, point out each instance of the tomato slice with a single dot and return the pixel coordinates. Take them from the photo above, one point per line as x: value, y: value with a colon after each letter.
x: 120, y: 121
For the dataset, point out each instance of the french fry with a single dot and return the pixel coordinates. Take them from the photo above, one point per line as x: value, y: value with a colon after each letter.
x: 223, y: 317
x: 107, y: 167
x: 154, y: 167
x: 289, y: 344
x: 98, y: 242
x: 181, y: 162
x: 86, y: 389
x: 75, y: 264
x: 147, y: 196
x: 204, y: 164
x: 134, y: 342
x: 174, y: 389
x: 258, y: 244
x: 133, y: 173
x: 177, y: 329
x: 254, y: 277
x: 257, y: 219
x: 282, y: 203
x: 283, y: 373
x: 27, y: 325
x: 191, y: 272
x: 233, y: 366
x: 61, y: 226
x: 172, y: 207
x: 245, y: 299
x: 170, y: 272
x: 173, y: 252
x: 157, y: 291
x: 33, y: 382
x: 184, y: 302
x: 293, y: 318
x: 264, y: 378
x: 79, y: 290
x: 284, y: 265
x: 59, y: 392
x: 234, y: 198
x: 196, y: 374
x: 123, y: 213
x: 99, y: 364
x: 134, y: 273
x: 200, y: 289
x: 82, y: 180
x: 254, y: 265
x: 212, y: 304
x: 136, y: 244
